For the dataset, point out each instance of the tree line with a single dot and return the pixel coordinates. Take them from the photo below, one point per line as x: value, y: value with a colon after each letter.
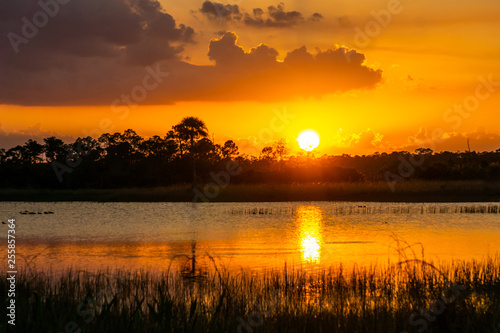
x: 187, y: 155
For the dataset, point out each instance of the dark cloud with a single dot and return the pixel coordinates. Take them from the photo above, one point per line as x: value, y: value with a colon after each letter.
x: 219, y: 11
x: 258, y: 12
x: 316, y: 17
x: 277, y: 17
x: 149, y: 50
x: 116, y: 29
x: 82, y: 48
x: 222, y: 50
x: 274, y: 17
x: 257, y: 74
x: 237, y: 74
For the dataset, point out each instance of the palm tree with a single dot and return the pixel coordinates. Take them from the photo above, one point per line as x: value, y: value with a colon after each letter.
x: 191, y: 129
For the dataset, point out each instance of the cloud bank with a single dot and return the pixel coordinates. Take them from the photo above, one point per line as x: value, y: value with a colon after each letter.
x: 94, y: 52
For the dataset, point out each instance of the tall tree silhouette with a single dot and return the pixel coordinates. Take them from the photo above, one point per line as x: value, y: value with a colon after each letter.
x: 191, y: 129
x: 54, y: 149
x: 229, y: 150
x: 268, y: 155
x: 32, y: 152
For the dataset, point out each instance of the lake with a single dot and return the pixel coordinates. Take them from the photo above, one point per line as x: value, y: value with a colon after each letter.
x: 257, y: 236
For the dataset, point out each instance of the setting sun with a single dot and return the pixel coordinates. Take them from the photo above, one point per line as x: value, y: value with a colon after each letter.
x: 308, y: 140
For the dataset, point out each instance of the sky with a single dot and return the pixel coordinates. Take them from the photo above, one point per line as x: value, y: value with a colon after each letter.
x: 367, y: 75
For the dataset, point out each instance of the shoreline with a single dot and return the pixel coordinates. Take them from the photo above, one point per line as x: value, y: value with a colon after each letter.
x: 410, y: 191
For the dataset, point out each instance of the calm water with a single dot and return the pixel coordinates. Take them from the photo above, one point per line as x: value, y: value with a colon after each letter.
x: 87, y: 235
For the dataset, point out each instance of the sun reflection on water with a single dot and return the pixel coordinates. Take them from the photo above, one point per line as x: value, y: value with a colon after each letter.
x: 309, y: 219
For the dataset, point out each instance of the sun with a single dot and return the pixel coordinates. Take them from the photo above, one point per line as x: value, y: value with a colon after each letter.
x: 308, y: 140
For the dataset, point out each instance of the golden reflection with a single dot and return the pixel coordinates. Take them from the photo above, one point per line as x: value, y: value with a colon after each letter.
x: 309, y: 219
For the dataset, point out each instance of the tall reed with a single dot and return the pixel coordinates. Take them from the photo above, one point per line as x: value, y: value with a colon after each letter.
x: 407, y: 296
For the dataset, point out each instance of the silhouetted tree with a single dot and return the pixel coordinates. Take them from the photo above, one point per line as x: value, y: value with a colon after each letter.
x: 54, y: 149
x: 424, y: 151
x: 14, y: 155
x: 191, y: 129
x: 126, y: 160
x: 32, y: 152
x: 163, y: 148
x: 206, y: 150
x: 267, y: 154
x: 175, y: 135
x: 229, y: 150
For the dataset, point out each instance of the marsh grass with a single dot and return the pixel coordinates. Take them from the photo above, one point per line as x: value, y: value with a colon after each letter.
x: 409, y: 191
x: 381, y: 209
x: 407, y: 296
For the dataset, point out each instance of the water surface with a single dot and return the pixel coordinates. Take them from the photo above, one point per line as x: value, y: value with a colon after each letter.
x: 156, y: 236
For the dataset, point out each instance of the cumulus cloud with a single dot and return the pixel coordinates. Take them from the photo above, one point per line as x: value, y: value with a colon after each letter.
x: 237, y: 75
x: 225, y: 51
x: 272, y: 17
x: 84, y: 51
x: 258, y: 75
x: 119, y: 29
x: 364, y: 142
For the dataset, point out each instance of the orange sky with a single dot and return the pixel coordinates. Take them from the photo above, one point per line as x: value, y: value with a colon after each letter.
x: 424, y: 72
